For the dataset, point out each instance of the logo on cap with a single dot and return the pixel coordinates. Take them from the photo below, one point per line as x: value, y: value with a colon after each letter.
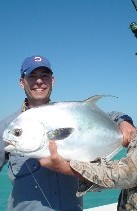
x: 37, y: 59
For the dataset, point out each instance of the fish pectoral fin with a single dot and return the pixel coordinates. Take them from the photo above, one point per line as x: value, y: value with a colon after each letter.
x: 60, y: 133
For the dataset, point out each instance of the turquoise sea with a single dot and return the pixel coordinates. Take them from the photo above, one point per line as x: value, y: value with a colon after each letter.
x: 90, y: 199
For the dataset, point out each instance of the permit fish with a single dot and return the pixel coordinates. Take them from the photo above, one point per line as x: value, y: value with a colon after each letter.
x: 81, y: 130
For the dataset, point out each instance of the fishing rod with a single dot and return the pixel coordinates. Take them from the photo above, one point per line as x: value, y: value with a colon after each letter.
x: 134, y: 4
x: 133, y: 25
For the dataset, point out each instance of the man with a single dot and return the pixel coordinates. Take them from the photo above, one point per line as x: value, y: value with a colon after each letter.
x: 35, y: 187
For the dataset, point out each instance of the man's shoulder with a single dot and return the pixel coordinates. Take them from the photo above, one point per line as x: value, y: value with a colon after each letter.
x: 4, y: 122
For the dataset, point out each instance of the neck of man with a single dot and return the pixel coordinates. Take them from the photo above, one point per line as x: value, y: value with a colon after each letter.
x: 32, y: 104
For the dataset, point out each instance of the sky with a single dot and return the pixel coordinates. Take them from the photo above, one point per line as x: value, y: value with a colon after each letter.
x: 88, y: 43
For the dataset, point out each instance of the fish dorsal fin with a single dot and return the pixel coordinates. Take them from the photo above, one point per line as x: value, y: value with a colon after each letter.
x: 93, y: 100
x: 60, y: 133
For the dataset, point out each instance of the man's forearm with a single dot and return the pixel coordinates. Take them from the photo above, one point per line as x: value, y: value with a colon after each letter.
x: 111, y: 174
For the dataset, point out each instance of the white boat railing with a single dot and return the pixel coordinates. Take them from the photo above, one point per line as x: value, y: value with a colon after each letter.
x: 108, y: 207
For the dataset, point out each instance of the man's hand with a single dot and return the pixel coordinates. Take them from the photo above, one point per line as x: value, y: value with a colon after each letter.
x: 128, y: 131
x: 55, y: 161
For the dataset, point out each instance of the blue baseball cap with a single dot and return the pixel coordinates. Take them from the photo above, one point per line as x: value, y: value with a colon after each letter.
x: 33, y: 62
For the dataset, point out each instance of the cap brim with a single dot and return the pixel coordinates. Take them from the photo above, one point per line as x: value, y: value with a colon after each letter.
x: 29, y: 70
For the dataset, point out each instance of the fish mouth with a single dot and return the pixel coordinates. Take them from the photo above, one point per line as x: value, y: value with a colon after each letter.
x: 7, y: 142
x: 8, y: 145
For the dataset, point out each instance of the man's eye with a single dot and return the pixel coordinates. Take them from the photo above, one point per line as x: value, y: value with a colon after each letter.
x: 44, y: 76
x: 38, y: 76
x: 32, y: 76
x: 17, y: 132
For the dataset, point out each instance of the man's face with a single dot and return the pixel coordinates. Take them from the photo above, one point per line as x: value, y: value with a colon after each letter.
x: 37, y: 86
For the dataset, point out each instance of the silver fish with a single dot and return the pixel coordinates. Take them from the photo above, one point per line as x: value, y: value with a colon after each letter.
x: 81, y: 130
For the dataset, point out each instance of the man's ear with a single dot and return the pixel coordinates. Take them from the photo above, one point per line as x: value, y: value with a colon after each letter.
x: 21, y: 83
x: 53, y: 81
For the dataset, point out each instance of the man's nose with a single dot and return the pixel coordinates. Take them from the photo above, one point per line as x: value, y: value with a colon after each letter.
x: 39, y: 79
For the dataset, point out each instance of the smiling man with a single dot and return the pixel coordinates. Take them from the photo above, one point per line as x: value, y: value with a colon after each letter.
x: 35, y: 187
x: 30, y: 189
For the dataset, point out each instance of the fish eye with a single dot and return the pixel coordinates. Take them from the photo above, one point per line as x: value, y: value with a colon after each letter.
x: 17, y: 132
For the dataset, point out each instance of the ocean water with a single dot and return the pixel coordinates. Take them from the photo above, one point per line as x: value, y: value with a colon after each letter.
x: 90, y: 199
